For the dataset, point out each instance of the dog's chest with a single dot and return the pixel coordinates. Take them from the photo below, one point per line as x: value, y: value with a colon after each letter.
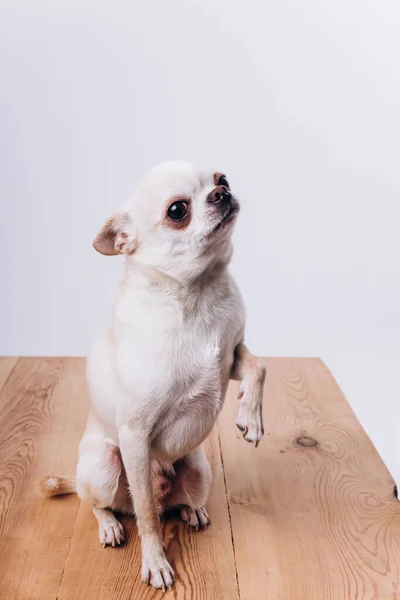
x: 201, y: 359
x: 179, y: 359
x: 195, y: 387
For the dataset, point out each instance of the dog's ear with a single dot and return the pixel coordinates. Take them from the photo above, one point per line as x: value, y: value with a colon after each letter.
x: 116, y: 236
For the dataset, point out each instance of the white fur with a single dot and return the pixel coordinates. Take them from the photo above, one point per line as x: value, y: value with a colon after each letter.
x: 158, y: 376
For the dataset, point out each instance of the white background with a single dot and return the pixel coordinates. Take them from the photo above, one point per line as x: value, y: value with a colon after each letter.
x: 298, y: 102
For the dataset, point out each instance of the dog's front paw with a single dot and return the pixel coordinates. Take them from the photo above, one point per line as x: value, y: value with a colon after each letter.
x: 157, y: 571
x: 249, y: 420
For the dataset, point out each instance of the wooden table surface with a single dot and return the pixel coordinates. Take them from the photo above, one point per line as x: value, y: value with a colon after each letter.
x: 311, y: 514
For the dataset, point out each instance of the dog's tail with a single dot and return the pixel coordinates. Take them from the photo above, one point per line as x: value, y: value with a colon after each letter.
x: 57, y: 486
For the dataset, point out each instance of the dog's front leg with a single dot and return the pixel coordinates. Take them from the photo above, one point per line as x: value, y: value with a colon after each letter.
x: 135, y: 451
x: 251, y: 371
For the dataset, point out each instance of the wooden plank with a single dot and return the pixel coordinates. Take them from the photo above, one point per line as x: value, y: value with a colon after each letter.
x: 313, y: 510
x: 42, y: 412
x: 203, y: 561
x: 7, y: 364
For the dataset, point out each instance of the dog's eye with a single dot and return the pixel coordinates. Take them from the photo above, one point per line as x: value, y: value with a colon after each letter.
x: 178, y: 210
x: 223, y: 181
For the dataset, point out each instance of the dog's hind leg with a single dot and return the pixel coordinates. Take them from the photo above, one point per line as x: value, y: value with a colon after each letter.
x: 98, y: 482
x: 190, y: 487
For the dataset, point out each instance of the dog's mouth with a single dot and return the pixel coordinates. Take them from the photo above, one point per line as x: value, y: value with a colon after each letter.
x: 228, y: 218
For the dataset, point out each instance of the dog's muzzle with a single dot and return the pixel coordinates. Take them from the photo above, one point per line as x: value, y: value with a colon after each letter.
x: 220, y: 196
x: 225, y: 204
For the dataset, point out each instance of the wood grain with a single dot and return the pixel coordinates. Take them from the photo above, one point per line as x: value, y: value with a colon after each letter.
x: 313, y: 511
x: 42, y: 412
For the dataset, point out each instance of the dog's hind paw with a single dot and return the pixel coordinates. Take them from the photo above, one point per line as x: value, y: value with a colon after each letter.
x: 195, y: 517
x: 111, y: 533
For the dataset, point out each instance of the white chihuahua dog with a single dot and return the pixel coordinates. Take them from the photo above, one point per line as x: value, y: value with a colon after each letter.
x: 158, y: 376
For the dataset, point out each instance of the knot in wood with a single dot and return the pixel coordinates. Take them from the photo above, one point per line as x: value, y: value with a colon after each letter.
x: 306, y: 441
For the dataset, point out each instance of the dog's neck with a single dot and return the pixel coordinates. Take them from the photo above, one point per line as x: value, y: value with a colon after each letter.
x: 189, y: 277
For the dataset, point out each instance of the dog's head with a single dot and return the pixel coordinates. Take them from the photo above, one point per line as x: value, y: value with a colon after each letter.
x: 180, y: 218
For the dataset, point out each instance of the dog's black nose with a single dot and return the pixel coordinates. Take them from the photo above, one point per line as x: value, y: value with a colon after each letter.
x: 220, y: 194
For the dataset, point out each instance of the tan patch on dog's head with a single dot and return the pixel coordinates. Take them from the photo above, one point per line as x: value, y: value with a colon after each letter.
x: 220, y: 179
